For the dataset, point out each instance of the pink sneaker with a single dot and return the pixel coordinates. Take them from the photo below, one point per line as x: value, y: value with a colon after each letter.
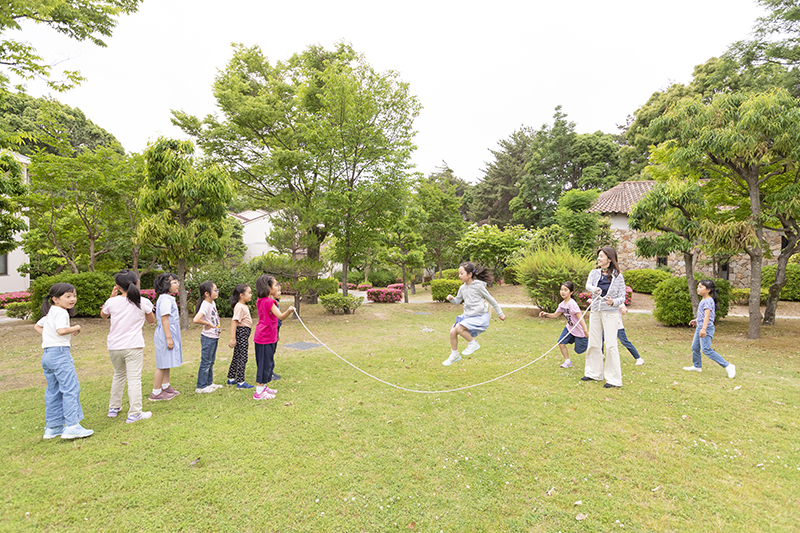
x: 566, y: 364
x: 163, y: 395
x: 263, y: 396
x: 271, y: 391
x: 170, y: 390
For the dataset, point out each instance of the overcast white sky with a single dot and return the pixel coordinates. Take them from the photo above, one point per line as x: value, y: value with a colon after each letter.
x: 480, y: 70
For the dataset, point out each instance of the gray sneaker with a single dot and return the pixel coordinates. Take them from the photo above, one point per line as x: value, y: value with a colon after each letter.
x: 76, y: 432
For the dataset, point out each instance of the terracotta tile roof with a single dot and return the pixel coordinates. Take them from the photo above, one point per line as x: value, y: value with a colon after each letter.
x: 620, y: 199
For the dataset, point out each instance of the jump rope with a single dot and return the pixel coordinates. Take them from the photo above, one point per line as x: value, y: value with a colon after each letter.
x: 433, y: 391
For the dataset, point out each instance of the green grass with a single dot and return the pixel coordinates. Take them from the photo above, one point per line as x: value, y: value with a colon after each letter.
x: 338, y: 451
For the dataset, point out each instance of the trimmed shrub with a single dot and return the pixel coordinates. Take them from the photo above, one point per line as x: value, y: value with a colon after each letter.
x: 674, y: 305
x: 93, y: 290
x: 11, y: 297
x: 645, y: 280
x: 790, y: 291
x: 396, y: 286
x: 384, y: 296
x: 363, y: 286
x: 146, y: 281
x: 450, y: 273
x: 18, y: 310
x: 544, y: 270
x: 742, y: 296
x: 510, y: 276
x: 335, y: 303
x: 327, y: 286
x: 440, y: 288
x: 381, y: 277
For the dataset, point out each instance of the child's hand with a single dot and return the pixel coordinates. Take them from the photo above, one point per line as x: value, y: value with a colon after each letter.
x: 449, y: 297
x: 542, y: 314
x: 609, y: 300
x: 291, y: 309
x: 598, y: 291
x: 503, y: 317
x: 702, y: 333
x: 114, y: 291
x: 77, y: 330
x: 623, y: 309
x: 693, y: 322
x: 232, y: 344
x: 170, y: 344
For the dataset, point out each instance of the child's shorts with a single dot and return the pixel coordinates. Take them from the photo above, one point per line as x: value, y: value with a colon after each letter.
x: 581, y: 343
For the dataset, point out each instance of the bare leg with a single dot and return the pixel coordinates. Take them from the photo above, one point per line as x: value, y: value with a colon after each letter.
x: 455, y: 332
x: 564, y: 351
x: 160, y: 376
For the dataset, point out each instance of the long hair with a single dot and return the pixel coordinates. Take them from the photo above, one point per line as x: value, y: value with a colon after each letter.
x: 570, y: 286
x: 264, y: 285
x: 237, y: 293
x: 57, y: 291
x: 127, y: 280
x: 205, y: 288
x: 712, y: 291
x: 478, y: 272
x: 612, y: 256
x: 163, y: 281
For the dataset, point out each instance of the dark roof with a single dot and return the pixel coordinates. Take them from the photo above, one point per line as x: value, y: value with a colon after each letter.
x: 620, y: 198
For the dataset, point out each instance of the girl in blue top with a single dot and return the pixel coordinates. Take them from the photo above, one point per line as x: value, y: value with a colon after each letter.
x: 706, y: 313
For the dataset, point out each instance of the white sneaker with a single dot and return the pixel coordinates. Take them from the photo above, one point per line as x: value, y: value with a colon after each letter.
x: 205, y: 390
x: 639, y: 362
x: 215, y: 386
x: 471, y: 348
x: 454, y: 358
x: 693, y: 368
x: 731, y: 370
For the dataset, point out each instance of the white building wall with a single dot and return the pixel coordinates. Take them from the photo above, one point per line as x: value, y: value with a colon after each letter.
x: 14, y: 281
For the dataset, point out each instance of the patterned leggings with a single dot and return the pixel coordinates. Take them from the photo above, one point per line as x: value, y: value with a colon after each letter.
x: 239, y: 360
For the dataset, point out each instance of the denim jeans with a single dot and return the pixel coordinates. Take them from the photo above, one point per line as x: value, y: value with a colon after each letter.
x: 208, y: 354
x: 704, y: 344
x: 62, y: 395
x: 623, y: 340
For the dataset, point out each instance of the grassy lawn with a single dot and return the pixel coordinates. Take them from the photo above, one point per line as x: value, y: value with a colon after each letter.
x: 338, y: 451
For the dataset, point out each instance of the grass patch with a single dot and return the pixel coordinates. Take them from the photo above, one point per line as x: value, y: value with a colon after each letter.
x: 337, y: 451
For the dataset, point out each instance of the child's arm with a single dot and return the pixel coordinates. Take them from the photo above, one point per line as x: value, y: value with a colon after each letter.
x: 150, y: 318
x: 544, y: 314
x: 706, y: 317
x: 582, y: 322
x: 234, y: 324
x: 167, y: 332
x: 39, y: 329
x: 283, y: 316
x: 77, y: 329
x: 199, y: 318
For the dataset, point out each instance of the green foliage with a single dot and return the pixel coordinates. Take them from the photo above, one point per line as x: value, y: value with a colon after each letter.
x: 335, y: 303
x: 353, y: 275
x: 645, y: 280
x: 544, y: 270
x: 494, y: 247
x: 510, y: 275
x: 450, y: 273
x: 381, y: 277
x: 674, y: 306
x: 582, y: 228
x: 790, y: 291
x: 328, y: 286
x: 147, y: 280
x: 440, y: 288
x: 742, y: 296
x: 92, y: 288
x: 226, y: 280
x: 439, y: 217
x: 10, y: 187
x: 18, y: 310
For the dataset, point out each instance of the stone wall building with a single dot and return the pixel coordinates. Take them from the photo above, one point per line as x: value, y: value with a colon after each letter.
x: 616, y: 204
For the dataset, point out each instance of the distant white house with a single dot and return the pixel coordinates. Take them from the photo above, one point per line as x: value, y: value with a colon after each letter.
x: 257, y: 225
x: 10, y: 279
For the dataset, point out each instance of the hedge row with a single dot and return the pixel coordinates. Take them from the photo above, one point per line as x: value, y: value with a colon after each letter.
x: 384, y: 296
x: 645, y: 280
x: 92, y: 288
x: 790, y: 291
x: 674, y: 305
x: 336, y: 302
x: 440, y: 288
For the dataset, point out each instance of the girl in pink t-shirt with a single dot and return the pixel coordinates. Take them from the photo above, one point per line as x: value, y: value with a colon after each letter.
x: 128, y: 312
x: 575, y: 331
x: 266, y: 337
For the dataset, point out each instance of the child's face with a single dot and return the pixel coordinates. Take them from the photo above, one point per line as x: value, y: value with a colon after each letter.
x: 565, y: 292
x: 174, y: 285
x: 463, y: 275
x: 702, y: 290
x: 66, y: 300
x: 247, y: 295
x: 275, y: 293
x: 214, y: 293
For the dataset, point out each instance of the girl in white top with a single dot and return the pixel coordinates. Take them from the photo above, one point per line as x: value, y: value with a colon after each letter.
x: 208, y: 316
x: 475, y: 318
x: 128, y: 312
x: 63, y: 411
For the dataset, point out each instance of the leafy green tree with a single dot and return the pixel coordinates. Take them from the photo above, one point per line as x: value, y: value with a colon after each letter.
x: 441, y: 223
x: 184, y: 208
x: 84, y: 20
x: 749, y: 146
x: 403, y: 248
x: 11, y: 187
x: 494, y: 247
x: 584, y: 232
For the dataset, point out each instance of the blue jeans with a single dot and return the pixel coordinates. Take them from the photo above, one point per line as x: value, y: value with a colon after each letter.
x: 623, y: 340
x: 704, y: 344
x: 208, y: 354
x: 62, y: 395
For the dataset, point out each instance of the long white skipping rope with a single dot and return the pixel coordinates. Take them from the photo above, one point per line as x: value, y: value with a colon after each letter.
x: 429, y: 391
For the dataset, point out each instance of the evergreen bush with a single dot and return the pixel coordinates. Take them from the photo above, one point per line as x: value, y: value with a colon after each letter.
x: 742, y: 296
x: 335, y: 303
x: 381, y: 277
x: 93, y: 290
x: 674, y: 305
x: 384, y: 296
x: 18, y: 310
x: 510, y: 275
x: 226, y: 280
x: 645, y: 280
x: 544, y: 270
x: 790, y: 291
x: 440, y: 288
x: 450, y: 273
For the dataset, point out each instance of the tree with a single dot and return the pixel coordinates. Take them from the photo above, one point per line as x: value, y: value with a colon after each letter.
x: 184, y: 208
x: 494, y: 247
x: 749, y: 146
x: 441, y: 223
x: 403, y: 247
x: 84, y: 20
x: 11, y: 187
x: 583, y: 231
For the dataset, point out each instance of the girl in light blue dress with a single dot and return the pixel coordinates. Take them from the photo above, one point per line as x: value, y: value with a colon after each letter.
x: 167, y: 337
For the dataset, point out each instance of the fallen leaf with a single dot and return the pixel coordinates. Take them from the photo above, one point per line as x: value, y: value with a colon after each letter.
x: 579, y: 502
x: 412, y: 525
x: 124, y: 443
x: 737, y: 387
x: 194, y: 462
x: 581, y: 516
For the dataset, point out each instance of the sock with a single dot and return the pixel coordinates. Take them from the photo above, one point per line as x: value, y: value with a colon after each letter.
x: 453, y: 352
x: 260, y: 389
x: 567, y: 360
x: 156, y: 392
x: 165, y: 385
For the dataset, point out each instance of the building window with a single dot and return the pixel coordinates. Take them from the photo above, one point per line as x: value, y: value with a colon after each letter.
x: 724, y: 269
x: 661, y: 262
x: 4, y: 265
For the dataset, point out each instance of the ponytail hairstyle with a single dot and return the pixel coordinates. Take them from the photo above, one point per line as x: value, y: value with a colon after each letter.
x: 712, y: 291
x: 570, y: 286
x: 264, y: 285
x: 163, y: 282
x: 611, y: 253
x: 57, y: 291
x: 237, y: 293
x: 127, y: 280
x: 478, y: 272
x: 205, y: 288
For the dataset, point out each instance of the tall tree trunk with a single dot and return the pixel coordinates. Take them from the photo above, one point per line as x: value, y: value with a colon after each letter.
x: 688, y: 259
x: 182, y: 295
x: 405, y: 287
x: 366, y: 273
x: 345, y: 264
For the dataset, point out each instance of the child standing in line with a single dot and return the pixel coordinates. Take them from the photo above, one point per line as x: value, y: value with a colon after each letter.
x: 266, y: 336
x: 167, y: 337
x: 208, y: 316
x: 241, y: 326
x: 128, y: 312
x: 706, y: 313
x: 575, y: 332
x: 475, y: 318
x: 63, y: 411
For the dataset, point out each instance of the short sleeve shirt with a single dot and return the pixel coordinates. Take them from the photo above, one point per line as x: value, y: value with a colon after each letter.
x: 241, y: 313
x: 706, y: 303
x: 267, y: 327
x: 126, y: 322
x: 55, y: 319
x: 571, y: 312
x: 209, y: 311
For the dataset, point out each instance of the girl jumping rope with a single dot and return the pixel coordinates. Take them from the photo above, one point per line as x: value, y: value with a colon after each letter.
x: 575, y: 331
x: 167, y: 337
x: 208, y: 316
x: 62, y: 411
x: 266, y: 336
x: 475, y: 318
x: 241, y: 326
x: 128, y: 312
x: 703, y: 335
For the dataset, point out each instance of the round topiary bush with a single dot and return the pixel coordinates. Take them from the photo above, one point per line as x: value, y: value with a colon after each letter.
x: 543, y: 270
x: 440, y: 288
x: 674, y: 305
x: 645, y: 280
